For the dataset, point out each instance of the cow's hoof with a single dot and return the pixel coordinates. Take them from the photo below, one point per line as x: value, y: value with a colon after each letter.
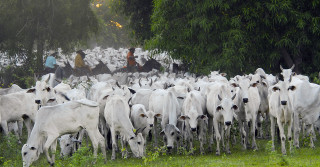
x: 52, y: 164
x: 217, y: 153
x: 228, y: 152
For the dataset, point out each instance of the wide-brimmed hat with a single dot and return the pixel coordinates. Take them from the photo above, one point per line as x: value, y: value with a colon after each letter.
x: 81, y: 52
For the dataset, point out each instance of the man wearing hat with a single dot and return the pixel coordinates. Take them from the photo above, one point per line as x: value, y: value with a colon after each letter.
x: 79, y: 64
x: 131, y: 61
x: 50, y: 64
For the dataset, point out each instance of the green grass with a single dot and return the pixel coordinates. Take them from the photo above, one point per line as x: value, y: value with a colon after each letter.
x: 10, y: 155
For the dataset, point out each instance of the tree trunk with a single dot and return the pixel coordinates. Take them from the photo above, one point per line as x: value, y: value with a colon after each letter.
x: 39, y: 61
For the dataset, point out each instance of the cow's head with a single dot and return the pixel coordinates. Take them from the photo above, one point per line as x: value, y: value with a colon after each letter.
x: 137, y: 144
x: 29, y: 154
x: 286, y: 74
x: 192, y: 119
x: 244, y: 85
x: 67, y: 145
x: 227, y: 109
x: 281, y: 88
x: 44, y: 93
x: 172, y: 134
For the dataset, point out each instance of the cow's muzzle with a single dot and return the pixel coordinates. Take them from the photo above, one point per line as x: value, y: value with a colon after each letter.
x: 37, y: 101
x: 245, y: 100
x: 283, y: 102
x: 228, y: 123
x: 194, y: 129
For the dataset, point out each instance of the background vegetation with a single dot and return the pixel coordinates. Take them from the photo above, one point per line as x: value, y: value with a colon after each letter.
x: 234, y: 36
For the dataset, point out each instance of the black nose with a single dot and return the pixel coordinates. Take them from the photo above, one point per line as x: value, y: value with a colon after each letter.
x: 228, y: 123
x: 245, y: 100
x: 37, y: 101
x: 151, y: 125
x: 284, y: 102
x: 194, y: 129
x: 169, y: 147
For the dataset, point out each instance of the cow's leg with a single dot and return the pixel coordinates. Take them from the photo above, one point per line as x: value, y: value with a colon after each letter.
x: 20, y: 126
x: 155, y: 132
x: 4, y: 125
x: 247, y: 130
x: 53, y: 149
x: 190, y: 138
x: 124, y: 150
x: 272, y: 126
x: 296, y: 130
x: 228, y: 140
x: 48, y: 143
x: 267, y: 134
x: 290, y: 133
x: 253, y: 130
x: 29, y: 125
x: 222, y: 127
x: 282, y: 136
x: 259, y: 126
x: 94, y: 140
x: 114, y: 145
x: 101, y: 142
x: 210, y: 132
x: 201, y: 137
x: 242, y: 134
x: 309, y: 134
x: 217, y: 134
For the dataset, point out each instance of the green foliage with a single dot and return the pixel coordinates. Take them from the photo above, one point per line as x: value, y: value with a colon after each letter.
x: 19, y: 75
x: 30, y: 27
x: 152, y: 156
x: 238, y: 36
x: 138, y: 12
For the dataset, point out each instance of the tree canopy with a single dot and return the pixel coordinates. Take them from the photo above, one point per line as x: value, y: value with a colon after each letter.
x: 238, y: 36
x: 32, y: 26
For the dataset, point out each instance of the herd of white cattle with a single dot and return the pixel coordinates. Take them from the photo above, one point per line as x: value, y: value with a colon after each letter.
x: 130, y: 105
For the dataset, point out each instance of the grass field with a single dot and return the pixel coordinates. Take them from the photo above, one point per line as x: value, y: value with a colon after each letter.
x: 10, y: 155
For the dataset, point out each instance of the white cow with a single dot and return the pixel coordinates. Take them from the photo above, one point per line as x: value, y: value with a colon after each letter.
x: 142, y: 96
x: 305, y: 99
x: 195, y: 120
x: 54, y: 121
x: 116, y: 114
x: 251, y: 102
x: 170, y: 114
x: 221, y: 107
x: 142, y: 119
x: 279, y: 106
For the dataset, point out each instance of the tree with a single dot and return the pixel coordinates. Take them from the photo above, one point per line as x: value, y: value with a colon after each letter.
x: 238, y: 36
x: 138, y: 13
x: 31, y: 26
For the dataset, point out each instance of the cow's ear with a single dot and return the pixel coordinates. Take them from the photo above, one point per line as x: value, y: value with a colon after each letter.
x: 143, y: 115
x: 292, y: 88
x: 183, y: 117
x: 234, y: 85
x: 203, y: 117
x: 254, y: 84
x: 31, y: 90
x: 32, y: 148
x: 294, y: 74
x: 158, y: 116
x: 162, y: 132
x: 131, y: 138
x: 105, y: 97
x: 223, y: 74
x: 275, y: 89
x: 48, y: 89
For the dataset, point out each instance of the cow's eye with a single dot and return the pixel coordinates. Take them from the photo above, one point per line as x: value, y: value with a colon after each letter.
x: 25, y: 153
x: 139, y: 143
x: 67, y: 145
x: 172, y: 133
